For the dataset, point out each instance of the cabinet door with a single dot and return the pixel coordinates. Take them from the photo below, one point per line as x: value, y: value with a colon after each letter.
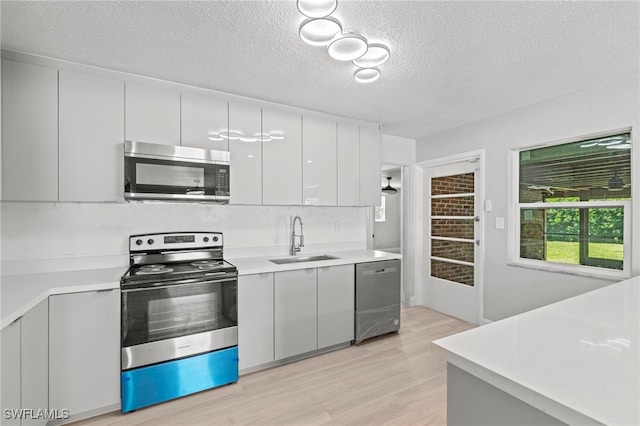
x: 348, y: 164
x: 295, y: 312
x: 336, y: 305
x: 152, y: 114
x: 204, y: 119
x: 91, y: 138
x: 255, y: 320
x: 10, y: 371
x: 84, y: 351
x: 29, y: 132
x: 282, y: 158
x: 246, y: 157
x: 319, y: 161
x: 370, y: 189
x: 35, y: 361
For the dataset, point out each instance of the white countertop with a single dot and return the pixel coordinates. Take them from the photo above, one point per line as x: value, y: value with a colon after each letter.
x: 20, y: 293
x: 258, y: 265
x: 577, y: 360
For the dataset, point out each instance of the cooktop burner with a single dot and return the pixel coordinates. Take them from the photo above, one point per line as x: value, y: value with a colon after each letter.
x: 153, y: 269
x: 207, y: 264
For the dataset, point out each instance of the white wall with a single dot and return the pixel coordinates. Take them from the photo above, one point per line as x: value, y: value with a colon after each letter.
x: 43, y: 237
x: 511, y: 290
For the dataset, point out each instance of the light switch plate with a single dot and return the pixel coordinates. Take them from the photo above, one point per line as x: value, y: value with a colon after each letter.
x: 499, y: 222
x: 488, y: 205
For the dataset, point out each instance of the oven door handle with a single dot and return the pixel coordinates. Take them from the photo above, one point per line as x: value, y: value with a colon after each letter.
x: 194, y: 281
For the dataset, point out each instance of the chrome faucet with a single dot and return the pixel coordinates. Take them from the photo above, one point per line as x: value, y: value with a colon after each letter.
x: 295, y: 249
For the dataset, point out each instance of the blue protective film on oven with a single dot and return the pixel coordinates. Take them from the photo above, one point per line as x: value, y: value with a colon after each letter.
x: 150, y: 385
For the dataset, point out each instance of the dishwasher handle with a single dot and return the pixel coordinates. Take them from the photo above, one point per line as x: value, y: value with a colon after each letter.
x: 379, y: 271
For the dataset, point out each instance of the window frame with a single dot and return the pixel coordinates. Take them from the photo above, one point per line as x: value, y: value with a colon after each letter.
x: 516, y: 207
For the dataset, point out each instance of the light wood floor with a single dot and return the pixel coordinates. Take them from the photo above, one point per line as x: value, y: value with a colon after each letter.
x: 397, y: 379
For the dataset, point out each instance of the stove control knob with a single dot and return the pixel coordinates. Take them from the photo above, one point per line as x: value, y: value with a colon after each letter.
x: 215, y: 238
x: 150, y: 241
x: 138, y: 242
x: 205, y: 239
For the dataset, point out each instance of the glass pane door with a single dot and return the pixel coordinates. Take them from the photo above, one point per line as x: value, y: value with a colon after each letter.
x: 452, y: 238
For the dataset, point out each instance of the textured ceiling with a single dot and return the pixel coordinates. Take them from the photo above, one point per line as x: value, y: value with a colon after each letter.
x: 451, y: 63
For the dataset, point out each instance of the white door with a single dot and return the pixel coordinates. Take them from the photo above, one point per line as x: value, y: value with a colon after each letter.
x: 451, y: 243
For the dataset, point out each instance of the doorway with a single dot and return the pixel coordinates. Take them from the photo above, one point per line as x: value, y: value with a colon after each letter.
x: 388, y: 214
x: 452, y: 254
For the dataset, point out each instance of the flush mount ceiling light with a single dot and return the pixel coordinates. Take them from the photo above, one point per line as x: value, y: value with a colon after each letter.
x: 366, y: 75
x: 317, y: 8
x: 320, y: 31
x: 377, y: 54
x: 216, y: 137
x: 347, y: 47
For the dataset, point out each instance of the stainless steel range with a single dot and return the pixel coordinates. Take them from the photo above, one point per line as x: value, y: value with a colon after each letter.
x: 179, y: 318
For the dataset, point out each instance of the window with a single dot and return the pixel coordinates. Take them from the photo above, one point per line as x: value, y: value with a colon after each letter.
x: 379, y: 213
x: 573, y: 206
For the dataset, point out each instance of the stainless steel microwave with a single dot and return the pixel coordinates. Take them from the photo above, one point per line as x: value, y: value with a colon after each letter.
x: 179, y: 173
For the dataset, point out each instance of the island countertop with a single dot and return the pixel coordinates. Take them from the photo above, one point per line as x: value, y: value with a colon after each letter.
x: 578, y: 360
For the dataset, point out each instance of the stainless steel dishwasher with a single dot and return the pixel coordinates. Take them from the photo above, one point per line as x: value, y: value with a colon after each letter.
x: 377, y: 298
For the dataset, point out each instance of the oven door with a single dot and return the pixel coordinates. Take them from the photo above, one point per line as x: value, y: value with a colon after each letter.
x: 165, y: 322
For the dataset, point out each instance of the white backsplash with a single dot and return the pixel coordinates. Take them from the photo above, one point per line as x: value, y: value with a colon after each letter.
x: 47, y: 237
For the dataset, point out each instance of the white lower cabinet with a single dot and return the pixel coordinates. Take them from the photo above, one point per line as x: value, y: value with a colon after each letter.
x: 25, y: 368
x: 84, y: 352
x: 295, y: 312
x: 336, y: 305
x: 35, y: 362
x: 255, y: 320
x: 10, y: 372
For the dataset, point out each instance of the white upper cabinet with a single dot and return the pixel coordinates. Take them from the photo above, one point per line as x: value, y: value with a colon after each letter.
x: 369, y: 165
x: 319, y: 163
x: 152, y: 114
x: 348, y: 164
x: 205, y: 117
x: 246, y: 157
x: 91, y: 138
x: 282, y: 158
x: 29, y: 132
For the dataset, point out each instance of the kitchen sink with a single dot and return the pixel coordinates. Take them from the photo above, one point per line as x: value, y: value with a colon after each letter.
x: 300, y: 259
